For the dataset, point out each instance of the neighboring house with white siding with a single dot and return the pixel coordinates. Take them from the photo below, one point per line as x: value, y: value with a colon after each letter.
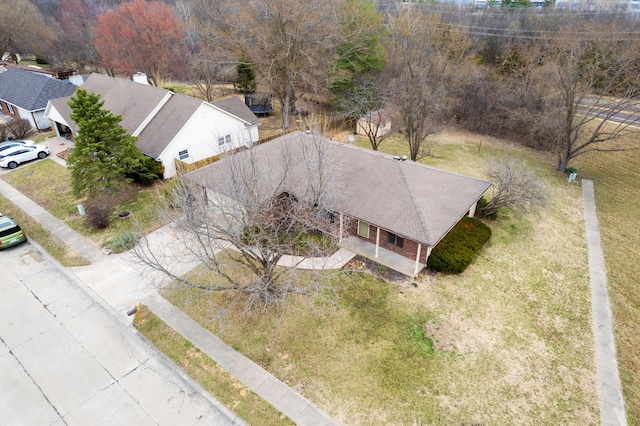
x: 170, y: 127
x: 24, y: 94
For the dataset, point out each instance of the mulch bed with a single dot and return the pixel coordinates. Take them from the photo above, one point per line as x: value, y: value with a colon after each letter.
x: 362, y: 264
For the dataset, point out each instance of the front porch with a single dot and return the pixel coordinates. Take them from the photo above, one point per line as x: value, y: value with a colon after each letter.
x: 385, y: 257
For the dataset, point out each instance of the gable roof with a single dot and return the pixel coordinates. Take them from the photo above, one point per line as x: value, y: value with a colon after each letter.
x: 31, y: 91
x: 157, y: 114
x: 410, y: 199
x: 236, y: 107
x: 133, y: 101
x: 172, y: 117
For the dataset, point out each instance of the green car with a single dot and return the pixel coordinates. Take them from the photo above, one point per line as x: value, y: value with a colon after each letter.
x: 10, y: 232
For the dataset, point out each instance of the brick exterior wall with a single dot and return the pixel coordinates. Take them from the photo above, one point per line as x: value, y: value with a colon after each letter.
x: 409, y: 248
x: 5, y: 110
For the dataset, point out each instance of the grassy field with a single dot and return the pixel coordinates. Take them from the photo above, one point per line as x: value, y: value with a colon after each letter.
x: 245, y: 403
x: 616, y: 178
x: 47, y: 183
x: 507, y: 342
x: 52, y: 244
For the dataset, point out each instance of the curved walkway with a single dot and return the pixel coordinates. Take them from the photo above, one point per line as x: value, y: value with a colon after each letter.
x: 611, y: 399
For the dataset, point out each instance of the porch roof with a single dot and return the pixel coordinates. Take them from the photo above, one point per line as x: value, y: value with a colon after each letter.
x: 385, y: 257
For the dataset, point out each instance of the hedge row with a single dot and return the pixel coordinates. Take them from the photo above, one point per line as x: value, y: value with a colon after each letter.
x: 457, y: 249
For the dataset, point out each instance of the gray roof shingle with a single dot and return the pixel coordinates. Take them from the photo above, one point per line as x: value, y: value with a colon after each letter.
x: 235, y: 106
x: 31, y: 91
x: 166, y: 124
x: 410, y: 199
x: 135, y: 102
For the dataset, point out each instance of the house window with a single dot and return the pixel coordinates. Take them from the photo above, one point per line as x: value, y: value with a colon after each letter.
x: 224, y: 140
x: 363, y: 229
x: 183, y: 154
x: 11, y: 109
x: 395, y: 240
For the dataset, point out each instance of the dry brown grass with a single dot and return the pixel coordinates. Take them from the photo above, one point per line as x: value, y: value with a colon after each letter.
x: 48, y: 184
x: 616, y: 178
x: 512, y: 338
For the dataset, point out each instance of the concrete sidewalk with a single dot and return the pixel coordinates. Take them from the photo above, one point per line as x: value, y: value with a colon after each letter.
x: 263, y: 383
x: 612, y: 411
x: 121, y: 284
x: 53, y: 224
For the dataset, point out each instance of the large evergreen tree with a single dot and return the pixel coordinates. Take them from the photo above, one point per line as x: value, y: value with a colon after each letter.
x: 104, y: 154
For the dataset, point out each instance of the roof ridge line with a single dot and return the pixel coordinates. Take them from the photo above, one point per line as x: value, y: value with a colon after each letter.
x: 425, y: 229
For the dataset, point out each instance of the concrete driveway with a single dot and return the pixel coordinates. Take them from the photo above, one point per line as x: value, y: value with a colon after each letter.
x: 66, y: 359
x: 55, y: 145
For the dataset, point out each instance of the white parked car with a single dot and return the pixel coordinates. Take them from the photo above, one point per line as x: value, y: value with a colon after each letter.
x: 11, y: 144
x: 19, y: 154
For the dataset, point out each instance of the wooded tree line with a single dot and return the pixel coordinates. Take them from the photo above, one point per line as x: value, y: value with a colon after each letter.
x: 549, y: 80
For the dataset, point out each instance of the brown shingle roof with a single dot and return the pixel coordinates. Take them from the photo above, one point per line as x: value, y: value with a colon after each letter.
x: 166, y: 124
x: 235, y: 106
x: 133, y: 101
x: 410, y: 199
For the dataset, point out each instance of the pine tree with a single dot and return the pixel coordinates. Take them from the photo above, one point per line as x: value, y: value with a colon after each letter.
x: 104, y: 153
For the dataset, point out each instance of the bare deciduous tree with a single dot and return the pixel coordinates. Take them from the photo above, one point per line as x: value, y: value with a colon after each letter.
x: 19, y: 127
x: 291, y: 43
x: 364, y: 103
x: 423, y: 53
x: 515, y: 186
x: 575, y: 88
x: 23, y: 28
x: 260, y: 203
x: 586, y: 75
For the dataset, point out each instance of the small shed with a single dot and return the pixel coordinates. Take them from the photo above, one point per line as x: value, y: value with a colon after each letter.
x: 376, y: 122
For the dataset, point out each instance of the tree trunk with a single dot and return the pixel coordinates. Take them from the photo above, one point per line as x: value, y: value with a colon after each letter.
x: 564, y: 150
x: 286, y: 108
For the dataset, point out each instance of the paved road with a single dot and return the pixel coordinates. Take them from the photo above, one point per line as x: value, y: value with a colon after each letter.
x: 66, y: 359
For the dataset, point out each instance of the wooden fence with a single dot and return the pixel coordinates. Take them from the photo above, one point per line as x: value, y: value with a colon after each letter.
x: 182, y: 167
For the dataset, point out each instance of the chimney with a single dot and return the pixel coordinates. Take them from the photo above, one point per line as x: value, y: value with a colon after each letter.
x: 76, y: 80
x: 141, y: 78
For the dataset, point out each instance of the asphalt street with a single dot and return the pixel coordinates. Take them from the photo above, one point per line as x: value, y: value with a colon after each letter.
x: 65, y: 359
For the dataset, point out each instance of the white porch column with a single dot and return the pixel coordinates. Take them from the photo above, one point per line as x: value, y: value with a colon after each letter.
x: 415, y: 271
x: 377, y: 239
x: 340, y: 236
x: 472, y: 210
x: 428, y: 254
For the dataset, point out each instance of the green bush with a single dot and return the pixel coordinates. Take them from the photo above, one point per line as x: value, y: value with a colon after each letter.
x: 570, y: 170
x: 457, y: 249
x: 147, y: 171
x: 124, y: 241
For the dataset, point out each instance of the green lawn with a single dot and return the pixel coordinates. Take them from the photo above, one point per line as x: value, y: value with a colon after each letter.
x: 47, y: 183
x: 509, y: 341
